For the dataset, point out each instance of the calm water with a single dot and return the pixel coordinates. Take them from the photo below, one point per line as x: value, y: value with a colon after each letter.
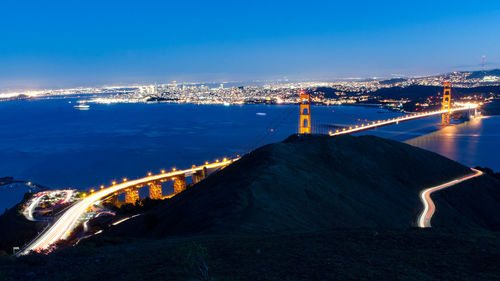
x: 51, y: 143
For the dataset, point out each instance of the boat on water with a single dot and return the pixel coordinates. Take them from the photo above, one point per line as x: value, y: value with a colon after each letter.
x: 82, y: 106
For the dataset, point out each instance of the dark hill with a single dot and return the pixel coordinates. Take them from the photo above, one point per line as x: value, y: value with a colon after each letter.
x: 491, y: 108
x: 415, y: 92
x: 304, y: 183
x: 481, y: 74
x: 418, y: 91
x: 475, y: 203
x: 392, y: 81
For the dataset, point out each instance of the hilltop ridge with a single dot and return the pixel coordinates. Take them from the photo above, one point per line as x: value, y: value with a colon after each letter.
x: 305, y: 183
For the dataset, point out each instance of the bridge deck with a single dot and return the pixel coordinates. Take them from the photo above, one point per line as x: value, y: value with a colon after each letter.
x: 380, y: 123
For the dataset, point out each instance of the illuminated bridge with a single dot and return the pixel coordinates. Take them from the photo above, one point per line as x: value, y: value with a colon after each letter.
x: 380, y: 123
x: 64, y: 225
x: 67, y: 222
x: 305, y: 115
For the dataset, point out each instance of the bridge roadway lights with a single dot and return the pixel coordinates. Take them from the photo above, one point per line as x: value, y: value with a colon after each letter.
x: 155, y: 190
x: 131, y: 195
x: 179, y: 184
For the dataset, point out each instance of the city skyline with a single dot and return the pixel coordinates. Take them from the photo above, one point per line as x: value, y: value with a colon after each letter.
x: 61, y: 44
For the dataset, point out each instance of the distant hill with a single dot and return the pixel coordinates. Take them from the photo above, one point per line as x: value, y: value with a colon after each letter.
x: 392, y: 81
x: 491, y: 108
x: 416, y: 92
x: 413, y: 92
x: 305, y: 183
x: 481, y: 74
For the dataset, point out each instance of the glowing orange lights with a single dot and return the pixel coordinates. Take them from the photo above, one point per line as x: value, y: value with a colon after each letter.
x: 155, y: 191
x: 131, y: 195
x: 446, y: 103
x: 305, y: 113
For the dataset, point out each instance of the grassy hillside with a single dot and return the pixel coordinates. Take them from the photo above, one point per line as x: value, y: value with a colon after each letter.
x: 304, y: 183
x: 472, y: 204
x: 413, y: 254
x: 308, y: 208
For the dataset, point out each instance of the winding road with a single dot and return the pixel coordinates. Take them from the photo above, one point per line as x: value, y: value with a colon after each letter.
x: 425, y: 217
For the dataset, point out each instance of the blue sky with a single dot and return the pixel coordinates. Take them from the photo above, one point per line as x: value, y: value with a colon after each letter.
x: 80, y: 43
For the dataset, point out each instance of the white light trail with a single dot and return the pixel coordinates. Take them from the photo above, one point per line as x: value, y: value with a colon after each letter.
x: 425, y: 217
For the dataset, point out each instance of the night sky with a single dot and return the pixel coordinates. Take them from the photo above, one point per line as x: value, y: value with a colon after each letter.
x: 85, y: 43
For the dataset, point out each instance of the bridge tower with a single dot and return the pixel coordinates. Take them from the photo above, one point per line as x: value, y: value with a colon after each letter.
x: 131, y: 195
x: 155, y: 190
x: 305, y: 113
x: 446, y: 103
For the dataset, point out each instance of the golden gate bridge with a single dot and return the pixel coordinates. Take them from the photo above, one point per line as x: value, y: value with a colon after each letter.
x: 62, y: 227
